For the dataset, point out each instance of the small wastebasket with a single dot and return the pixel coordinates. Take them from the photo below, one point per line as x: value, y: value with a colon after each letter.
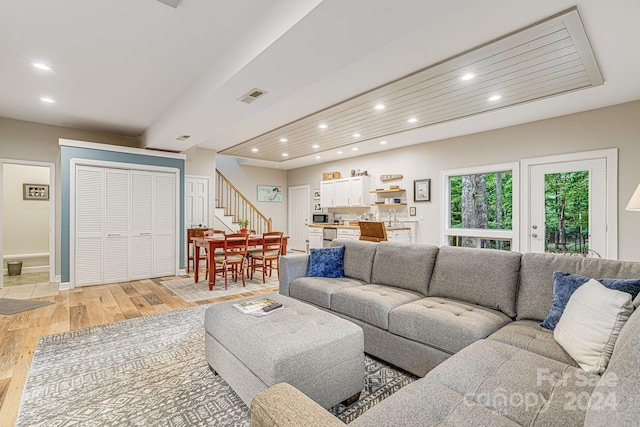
x: 15, y: 268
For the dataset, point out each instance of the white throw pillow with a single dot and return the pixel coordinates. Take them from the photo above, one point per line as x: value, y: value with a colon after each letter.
x: 590, y: 324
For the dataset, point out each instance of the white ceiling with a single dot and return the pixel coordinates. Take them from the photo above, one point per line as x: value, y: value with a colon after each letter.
x: 142, y: 68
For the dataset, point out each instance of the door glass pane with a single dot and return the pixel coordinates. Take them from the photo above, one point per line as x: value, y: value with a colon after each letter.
x: 567, y: 213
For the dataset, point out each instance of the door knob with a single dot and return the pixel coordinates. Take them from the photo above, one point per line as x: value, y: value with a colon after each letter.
x: 534, y: 227
x: 534, y: 235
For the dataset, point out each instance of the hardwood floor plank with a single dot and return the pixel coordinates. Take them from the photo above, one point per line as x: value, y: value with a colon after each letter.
x: 75, y: 309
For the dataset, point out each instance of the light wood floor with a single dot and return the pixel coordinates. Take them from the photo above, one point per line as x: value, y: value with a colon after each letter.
x: 75, y: 309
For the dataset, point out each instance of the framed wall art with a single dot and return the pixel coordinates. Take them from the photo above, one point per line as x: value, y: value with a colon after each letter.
x: 316, y: 194
x: 35, y: 192
x: 422, y: 190
x: 270, y: 193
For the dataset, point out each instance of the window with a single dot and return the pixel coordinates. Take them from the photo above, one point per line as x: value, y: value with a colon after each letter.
x: 481, y: 207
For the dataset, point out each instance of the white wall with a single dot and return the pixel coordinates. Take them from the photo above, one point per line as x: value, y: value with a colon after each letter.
x: 612, y: 127
x: 247, y: 179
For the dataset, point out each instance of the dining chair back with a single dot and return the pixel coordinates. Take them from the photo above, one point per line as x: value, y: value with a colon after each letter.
x: 232, y: 259
x: 266, y: 257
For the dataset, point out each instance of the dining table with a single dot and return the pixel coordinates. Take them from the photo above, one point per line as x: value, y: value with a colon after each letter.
x: 215, y: 242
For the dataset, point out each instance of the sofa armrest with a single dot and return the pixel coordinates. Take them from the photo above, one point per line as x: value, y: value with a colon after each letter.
x: 285, y: 406
x: 292, y: 267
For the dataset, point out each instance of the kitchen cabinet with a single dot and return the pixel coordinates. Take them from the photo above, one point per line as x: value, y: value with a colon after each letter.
x: 349, y: 234
x: 399, y: 236
x: 345, y: 192
x: 315, y: 237
x: 327, y: 194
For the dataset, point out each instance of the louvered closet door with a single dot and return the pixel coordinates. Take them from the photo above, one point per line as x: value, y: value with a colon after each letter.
x: 141, y: 224
x: 117, y: 199
x: 164, y: 234
x: 89, y: 224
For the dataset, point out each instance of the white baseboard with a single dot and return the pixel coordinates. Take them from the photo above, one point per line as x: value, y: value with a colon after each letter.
x: 37, y: 269
x: 182, y: 272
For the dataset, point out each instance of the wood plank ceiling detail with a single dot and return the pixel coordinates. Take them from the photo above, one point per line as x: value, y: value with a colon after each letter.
x: 547, y: 59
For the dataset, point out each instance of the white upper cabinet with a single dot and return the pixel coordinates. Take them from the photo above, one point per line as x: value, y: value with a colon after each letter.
x: 345, y: 192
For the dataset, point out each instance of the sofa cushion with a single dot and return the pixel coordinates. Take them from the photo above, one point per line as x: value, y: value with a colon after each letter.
x: 591, y: 323
x: 326, y: 262
x: 616, y: 398
x: 445, y: 324
x: 535, y: 294
x: 371, y: 303
x: 529, y: 335
x: 565, y: 284
x: 488, y: 277
x: 318, y: 290
x: 488, y: 383
x: 358, y: 258
x: 404, y: 265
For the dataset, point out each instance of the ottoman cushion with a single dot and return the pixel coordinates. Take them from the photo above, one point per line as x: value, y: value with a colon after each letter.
x: 299, y: 344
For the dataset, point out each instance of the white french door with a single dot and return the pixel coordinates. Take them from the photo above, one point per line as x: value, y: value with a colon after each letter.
x: 299, y: 212
x: 569, y: 203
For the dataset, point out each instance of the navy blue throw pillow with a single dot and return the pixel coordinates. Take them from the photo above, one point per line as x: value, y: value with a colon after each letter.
x: 565, y: 284
x: 327, y: 262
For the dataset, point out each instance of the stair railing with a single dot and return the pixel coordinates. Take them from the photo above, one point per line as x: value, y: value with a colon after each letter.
x: 238, y: 206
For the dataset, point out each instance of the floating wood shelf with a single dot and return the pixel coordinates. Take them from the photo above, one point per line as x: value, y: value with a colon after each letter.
x: 400, y: 190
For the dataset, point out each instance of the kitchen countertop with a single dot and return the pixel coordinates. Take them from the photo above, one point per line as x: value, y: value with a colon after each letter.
x: 353, y: 227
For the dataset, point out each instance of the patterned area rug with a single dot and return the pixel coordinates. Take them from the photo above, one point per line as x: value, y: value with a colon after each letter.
x: 150, y: 371
x: 189, y: 291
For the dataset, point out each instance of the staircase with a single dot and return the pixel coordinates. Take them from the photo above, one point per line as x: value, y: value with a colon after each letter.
x: 232, y: 206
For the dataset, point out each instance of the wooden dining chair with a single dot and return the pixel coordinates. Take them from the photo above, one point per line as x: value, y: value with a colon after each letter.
x: 232, y: 259
x: 205, y: 252
x: 267, y: 256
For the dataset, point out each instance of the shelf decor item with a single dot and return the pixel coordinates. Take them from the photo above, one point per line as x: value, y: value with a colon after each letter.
x: 390, y: 177
x: 422, y: 190
x: 35, y: 192
x: 327, y: 176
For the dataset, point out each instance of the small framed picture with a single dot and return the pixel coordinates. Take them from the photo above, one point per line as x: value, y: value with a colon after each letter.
x: 35, y: 192
x: 412, y: 211
x: 316, y: 194
x: 422, y: 190
x: 317, y: 207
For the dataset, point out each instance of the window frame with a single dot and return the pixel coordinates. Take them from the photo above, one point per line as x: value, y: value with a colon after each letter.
x: 513, y: 235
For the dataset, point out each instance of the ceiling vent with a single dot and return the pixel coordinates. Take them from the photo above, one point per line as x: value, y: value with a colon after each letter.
x: 183, y: 137
x: 173, y: 3
x: 252, y: 95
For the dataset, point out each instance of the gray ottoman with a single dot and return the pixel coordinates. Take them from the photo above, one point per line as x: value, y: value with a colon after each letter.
x: 317, y: 352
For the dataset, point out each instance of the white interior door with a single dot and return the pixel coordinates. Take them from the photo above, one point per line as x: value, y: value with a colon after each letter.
x: 568, y: 208
x: 89, y: 224
x: 299, y: 213
x: 141, y: 224
x: 164, y: 231
x: 196, y: 201
x: 116, y: 226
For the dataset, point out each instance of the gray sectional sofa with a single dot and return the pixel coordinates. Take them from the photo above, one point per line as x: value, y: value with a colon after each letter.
x: 467, y: 320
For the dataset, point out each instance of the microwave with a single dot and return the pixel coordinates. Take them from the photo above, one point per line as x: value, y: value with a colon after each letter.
x: 322, y: 218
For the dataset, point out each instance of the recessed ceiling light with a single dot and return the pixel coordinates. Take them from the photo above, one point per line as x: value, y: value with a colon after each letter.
x: 383, y: 142
x: 255, y: 150
x: 183, y: 137
x: 354, y: 149
x: 322, y: 126
x: 356, y: 135
x: 47, y: 100
x: 283, y: 140
x: 412, y: 120
x: 468, y: 76
x: 41, y: 66
x: 379, y: 107
x: 285, y: 155
x: 318, y: 157
x: 339, y: 152
x: 494, y: 98
x: 315, y: 146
